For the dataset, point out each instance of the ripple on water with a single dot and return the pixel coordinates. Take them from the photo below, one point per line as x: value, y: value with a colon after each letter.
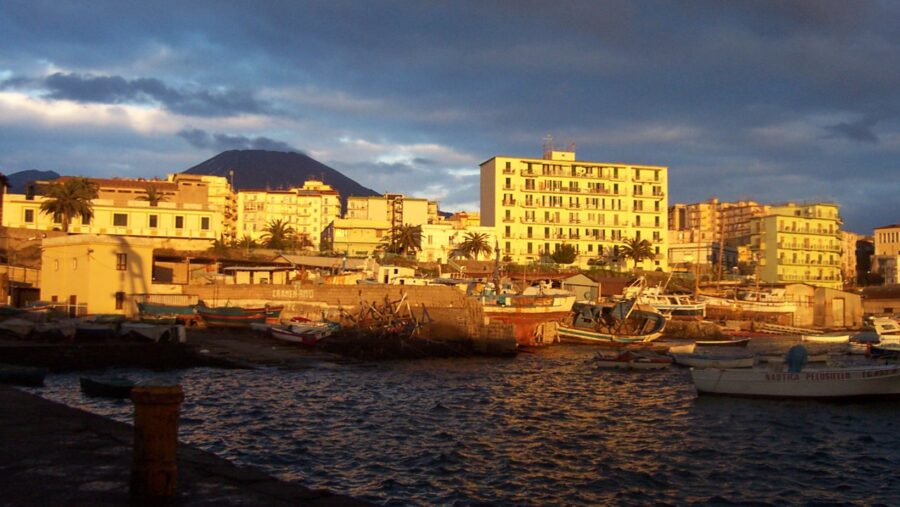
x: 541, y: 429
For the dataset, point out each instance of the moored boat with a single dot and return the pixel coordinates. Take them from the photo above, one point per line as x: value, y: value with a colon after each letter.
x: 631, y: 360
x: 743, y: 342
x: 113, y: 387
x: 826, y: 338
x: 308, y: 333
x: 717, y: 357
x: 676, y: 305
x: 528, y: 311
x: 229, y: 316
x: 610, y: 323
x: 164, y: 309
x: 854, y: 382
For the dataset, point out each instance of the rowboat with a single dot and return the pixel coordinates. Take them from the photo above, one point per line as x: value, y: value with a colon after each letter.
x: 163, y: 309
x: 308, y: 334
x: 826, y: 338
x: 113, y: 387
x: 718, y: 357
x: 723, y: 343
x: 229, y: 316
x: 631, y: 360
x: 853, y: 382
x: 22, y: 375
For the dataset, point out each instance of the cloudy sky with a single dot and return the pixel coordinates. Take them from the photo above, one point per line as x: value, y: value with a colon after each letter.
x: 788, y: 100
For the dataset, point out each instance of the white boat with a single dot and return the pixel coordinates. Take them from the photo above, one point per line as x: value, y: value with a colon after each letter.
x: 307, y: 333
x: 854, y: 382
x: 716, y: 357
x: 755, y: 301
x: 154, y: 332
x: 631, y: 360
x: 612, y: 323
x: 677, y: 305
x: 826, y: 338
x: 820, y: 357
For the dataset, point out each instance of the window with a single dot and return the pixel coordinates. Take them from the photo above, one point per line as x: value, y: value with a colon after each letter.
x: 56, y: 265
x: 74, y: 263
x: 154, y: 221
x: 120, y: 299
x: 120, y: 220
x: 204, y: 223
x: 121, y: 261
x: 179, y: 222
x: 29, y: 216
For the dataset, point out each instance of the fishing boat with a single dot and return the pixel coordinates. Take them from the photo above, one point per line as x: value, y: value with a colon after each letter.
x: 229, y: 316
x: 528, y: 311
x: 22, y: 375
x: 825, y: 383
x: 772, y: 300
x: 631, y: 360
x: 743, y: 342
x: 716, y: 357
x: 273, y: 312
x: 826, y: 338
x: 607, y: 323
x: 308, y: 333
x: 676, y: 305
x: 113, y: 387
x: 164, y: 309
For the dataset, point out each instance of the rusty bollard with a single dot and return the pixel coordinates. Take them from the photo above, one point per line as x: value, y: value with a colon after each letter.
x: 154, y: 471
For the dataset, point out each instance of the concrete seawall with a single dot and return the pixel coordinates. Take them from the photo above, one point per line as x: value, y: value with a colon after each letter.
x: 51, y: 454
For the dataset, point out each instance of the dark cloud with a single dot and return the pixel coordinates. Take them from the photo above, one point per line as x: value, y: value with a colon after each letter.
x: 860, y: 130
x: 117, y: 90
x: 221, y: 142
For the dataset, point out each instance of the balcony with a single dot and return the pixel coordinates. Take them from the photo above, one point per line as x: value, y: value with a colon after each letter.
x: 509, y: 220
x: 509, y: 170
x: 509, y: 202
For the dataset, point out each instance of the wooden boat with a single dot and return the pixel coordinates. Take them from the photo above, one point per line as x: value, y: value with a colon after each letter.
x: 826, y: 338
x: 229, y: 316
x: 716, y: 357
x: 113, y: 387
x: 308, y: 334
x: 163, y: 309
x: 609, y: 323
x: 528, y: 311
x: 723, y: 343
x: 22, y: 375
x: 854, y: 382
x: 631, y: 360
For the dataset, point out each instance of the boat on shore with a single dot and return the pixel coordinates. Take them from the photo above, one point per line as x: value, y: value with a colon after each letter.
x: 306, y: 333
x: 675, y: 305
x: 715, y: 357
x: 164, y: 309
x: 772, y: 300
x: 742, y: 342
x: 114, y: 387
x: 826, y: 338
x: 826, y: 383
x: 528, y: 311
x: 611, y: 323
x: 631, y: 360
x: 229, y: 316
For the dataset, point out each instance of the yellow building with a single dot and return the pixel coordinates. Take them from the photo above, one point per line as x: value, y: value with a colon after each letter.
x: 355, y: 237
x: 308, y: 210
x: 539, y: 204
x: 799, y: 244
x: 439, y: 241
x: 394, y: 208
x: 92, y: 273
x: 193, y: 208
x: 848, y: 256
x: 714, y: 220
x: 886, y: 260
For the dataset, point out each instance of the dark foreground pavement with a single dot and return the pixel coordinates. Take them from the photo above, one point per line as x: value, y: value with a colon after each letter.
x: 55, y: 455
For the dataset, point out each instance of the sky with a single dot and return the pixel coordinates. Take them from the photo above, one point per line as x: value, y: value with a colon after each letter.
x: 771, y: 101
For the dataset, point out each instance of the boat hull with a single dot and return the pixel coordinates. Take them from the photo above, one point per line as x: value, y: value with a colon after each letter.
x: 843, y: 338
x: 861, y: 382
x: 161, y: 309
x: 232, y: 321
x: 569, y: 334
x: 702, y: 361
x: 106, y: 388
x: 528, y: 325
x: 307, y: 335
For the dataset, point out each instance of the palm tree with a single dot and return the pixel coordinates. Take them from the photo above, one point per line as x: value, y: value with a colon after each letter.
x: 637, y: 250
x: 152, y: 195
x: 246, y: 243
x: 70, y: 198
x: 4, y: 184
x: 404, y: 240
x: 565, y: 255
x: 475, y: 244
x: 277, y: 234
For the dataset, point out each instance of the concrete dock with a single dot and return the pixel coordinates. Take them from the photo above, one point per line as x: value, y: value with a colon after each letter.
x: 52, y: 454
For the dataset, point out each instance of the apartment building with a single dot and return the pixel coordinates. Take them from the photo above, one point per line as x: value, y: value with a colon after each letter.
x: 848, y: 256
x: 190, y: 207
x: 397, y: 209
x: 539, y: 204
x: 887, y: 253
x: 714, y: 219
x: 798, y: 243
x: 355, y: 237
x: 307, y: 210
x: 440, y: 241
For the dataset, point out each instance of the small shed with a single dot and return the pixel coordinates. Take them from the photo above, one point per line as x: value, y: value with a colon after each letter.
x: 584, y: 288
x: 837, y: 308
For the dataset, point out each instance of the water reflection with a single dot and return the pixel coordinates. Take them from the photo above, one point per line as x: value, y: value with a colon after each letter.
x: 540, y: 429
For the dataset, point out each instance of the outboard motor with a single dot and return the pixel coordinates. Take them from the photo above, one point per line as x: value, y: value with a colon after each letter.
x: 796, y: 358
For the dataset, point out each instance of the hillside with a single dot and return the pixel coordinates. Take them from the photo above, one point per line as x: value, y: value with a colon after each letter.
x: 260, y: 169
x: 17, y: 181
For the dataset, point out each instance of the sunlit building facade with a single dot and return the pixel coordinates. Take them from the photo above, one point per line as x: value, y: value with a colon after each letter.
x: 886, y: 260
x: 799, y: 243
x: 539, y: 204
x: 307, y: 210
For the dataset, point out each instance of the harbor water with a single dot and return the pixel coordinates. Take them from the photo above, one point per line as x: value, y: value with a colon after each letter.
x: 547, y: 428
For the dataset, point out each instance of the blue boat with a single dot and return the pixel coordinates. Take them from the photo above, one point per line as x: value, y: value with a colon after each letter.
x: 230, y: 316
x: 162, y: 309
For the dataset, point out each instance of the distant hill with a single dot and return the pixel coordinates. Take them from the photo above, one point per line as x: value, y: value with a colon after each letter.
x: 260, y: 169
x: 17, y: 181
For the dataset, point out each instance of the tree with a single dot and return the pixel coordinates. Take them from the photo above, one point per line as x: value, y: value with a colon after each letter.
x: 152, y: 195
x: 404, y: 240
x: 219, y: 247
x: 246, y: 243
x: 70, y: 198
x: 475, y: 244
x: 277, y: 235
x: 637, y: 250
x: 565, y: 255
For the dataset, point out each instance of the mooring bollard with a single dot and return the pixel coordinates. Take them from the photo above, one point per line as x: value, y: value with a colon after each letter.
x: 154, y: 471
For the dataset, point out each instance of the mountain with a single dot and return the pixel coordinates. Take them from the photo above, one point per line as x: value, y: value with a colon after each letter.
x: 17, y: 181
x: 260, y: 169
